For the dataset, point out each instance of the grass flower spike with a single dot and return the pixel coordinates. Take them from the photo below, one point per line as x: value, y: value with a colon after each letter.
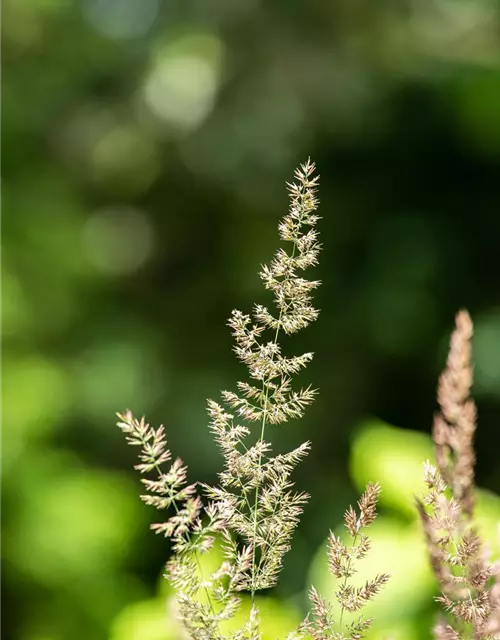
x: 255, y: 509
x: 469, y: 592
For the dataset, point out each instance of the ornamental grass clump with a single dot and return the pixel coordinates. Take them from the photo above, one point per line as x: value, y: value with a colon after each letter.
x: 255, y: 508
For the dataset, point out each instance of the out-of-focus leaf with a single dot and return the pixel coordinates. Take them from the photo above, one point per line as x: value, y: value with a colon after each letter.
x: 394, y: 458
x: 24, y: 422
x: 72, y: 522
x: 146, y: 620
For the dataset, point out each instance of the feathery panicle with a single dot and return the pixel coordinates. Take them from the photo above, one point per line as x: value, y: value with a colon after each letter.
x: 168, y: 489
x: 190, y: 536
x: 342, y: 561
x: 454, y: 426
x: 266, y: 510
x: 456, y: 552
x: 254, y: 509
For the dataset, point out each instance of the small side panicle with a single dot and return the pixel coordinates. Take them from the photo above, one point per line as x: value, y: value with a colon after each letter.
x: 342, y: 559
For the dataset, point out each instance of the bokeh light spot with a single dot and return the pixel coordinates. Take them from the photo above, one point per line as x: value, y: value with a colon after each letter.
x: 120, y: 373
x: 123, y: 155
x: 114, y: 151
x: 118, y: 241
x: 182, y: 84
x: 121, y: 19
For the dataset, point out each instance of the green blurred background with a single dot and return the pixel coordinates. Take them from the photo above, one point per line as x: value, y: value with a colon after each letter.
x: 145, y: 148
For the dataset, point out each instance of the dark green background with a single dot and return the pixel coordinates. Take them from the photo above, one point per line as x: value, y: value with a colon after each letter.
x: 145, y: 150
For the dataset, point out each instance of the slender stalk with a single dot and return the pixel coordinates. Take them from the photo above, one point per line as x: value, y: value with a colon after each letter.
x: 257, y: 487
x: 262, y: 432
x: 349, y: 564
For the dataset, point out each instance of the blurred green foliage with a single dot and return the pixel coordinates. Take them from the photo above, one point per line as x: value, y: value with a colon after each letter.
x: 145, y: 148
